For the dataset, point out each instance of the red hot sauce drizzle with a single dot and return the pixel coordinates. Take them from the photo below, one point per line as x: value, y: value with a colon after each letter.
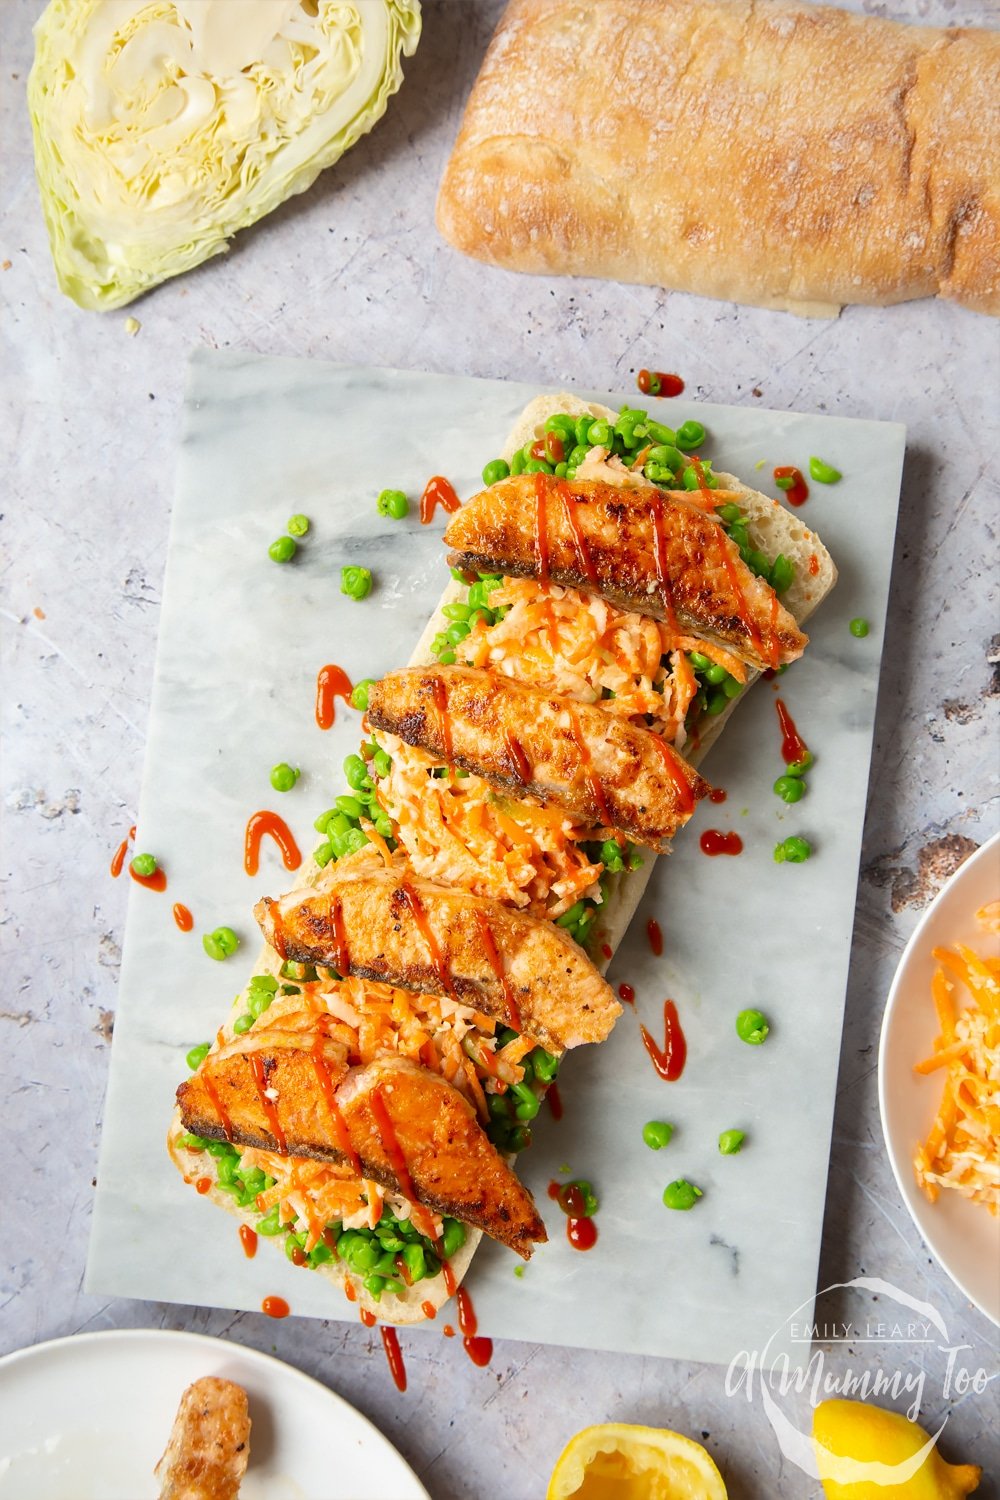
x: 341, y: 952
x: 267, y: 1105
x: 367, y: 1318
x: 479, y: 1350
x: 671, y: 764
x: 581, y: 1231
x: 496, y: 964
x: 155, y: 882
x: 554, y: 1100
x: 437, y: 491
x: 394, y: 1355
x: 669, y: 1059
x: 397, y: 1160
x: 218, y: 1106
x: 437, y: 959
x: 717, y: 795
x: 331, y: 682
x: 542, y: 527
x: 340, y: 1131
x: 118, y: 858
x: 590, y: 774
x: 517, y: 758
x: 266, y: 824
x: 440, y: 695
x: 428, y: 1309
x: 660, y: 558
x: 713, y: 842
x: 655, y: 936
x: 793, y: 746
x: 183, y: 917
x: 248, y: 1239
x: 657, y: 383
x: 579, y: 540
x: 275, y: 1307
x: 798, y: 491
x: 626, y: 993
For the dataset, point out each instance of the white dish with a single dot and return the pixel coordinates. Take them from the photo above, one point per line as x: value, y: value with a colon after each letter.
x: 964, y: 1237
x: 90, y: 1416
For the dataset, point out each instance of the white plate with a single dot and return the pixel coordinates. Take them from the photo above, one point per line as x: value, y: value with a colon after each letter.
x: 964, y: 1237
x: 87, y: 1418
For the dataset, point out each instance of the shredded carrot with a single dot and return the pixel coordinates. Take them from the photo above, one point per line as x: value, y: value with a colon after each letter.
x: 376, y: 838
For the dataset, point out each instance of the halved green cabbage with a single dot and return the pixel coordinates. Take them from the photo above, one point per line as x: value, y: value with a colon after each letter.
x: 163, y: 126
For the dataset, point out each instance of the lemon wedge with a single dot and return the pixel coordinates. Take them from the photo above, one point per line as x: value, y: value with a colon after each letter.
x: 867, y: 1453
x: 619, y: 1462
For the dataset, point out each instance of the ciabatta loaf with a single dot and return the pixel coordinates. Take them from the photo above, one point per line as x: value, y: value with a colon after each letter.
x: 783, y: 154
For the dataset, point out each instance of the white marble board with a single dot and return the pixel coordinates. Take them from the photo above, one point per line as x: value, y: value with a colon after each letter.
x: 241, y: 640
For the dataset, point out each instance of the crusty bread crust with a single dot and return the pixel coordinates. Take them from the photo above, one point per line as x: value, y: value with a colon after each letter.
x: 772, y: 152
x: 773, y: 528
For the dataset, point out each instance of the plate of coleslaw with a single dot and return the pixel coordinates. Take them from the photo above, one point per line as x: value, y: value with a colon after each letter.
x: 939, y: 1078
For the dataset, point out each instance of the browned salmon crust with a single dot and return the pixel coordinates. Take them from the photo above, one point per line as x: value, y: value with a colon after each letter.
x: 603, y: 770
x: 389, y: 925
x: 433, y: 1138
x: 206, y: 1456
x: 606, y: 539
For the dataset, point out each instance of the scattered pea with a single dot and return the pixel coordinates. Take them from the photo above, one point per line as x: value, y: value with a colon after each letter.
x: 284, y: 776
x: 800, y: 767
x: 221, y: 943
x: 283, y: 550
x: 297, y: 525
x: 681, y: 1194
x: 355, y: 582
x: 752, y: 1027
x: 793, y: 850
x: 823, y: 473
x: 144, y: 864
x: 859, y: 627
x: 394, y: 504
x: 656, y: 1134
x: 359, y: 693
x: 790, y: 788
x: 690, y: 435
x: 730, y: 1142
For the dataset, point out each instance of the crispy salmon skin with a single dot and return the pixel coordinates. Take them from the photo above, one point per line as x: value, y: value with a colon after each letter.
x: 390, y: 1120
x: 655, y: 551
x: 604, y: 771
x: 389, y: 925
x: 206, y: 1456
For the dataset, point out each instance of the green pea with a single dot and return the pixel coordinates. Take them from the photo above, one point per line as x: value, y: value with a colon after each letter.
x: 270, y: 1224
x: 599, y: 434
x: 355, y: 582
x: 359, y: 693
x: 667, y: 455
x: 545, y: 1065
x: 730, y: 1141
x: 495, y: 470
x: 320, y: 1254
x: 537, y: 466
x: 690, y: 435
x: 576, y: 455
x: 794, y: 850
x: 752, y: 1027
x: 356, y: 772
x: 665, y: 436
x: 452, y: 1237
x: 782, y: 574
x: 563, y: 424
x: 800, y: 767
x: 715, y: 674
x: 257, y: 1003
x: 789, y: 788
x: 415, y: 1261
x: 382, y: 761
x: 528, y: 1103
x: 581, y: 429
x: 758, y: 563
x: 323, y: 853
x: 144, y: 864
x: 394, y: 504
x: 242, y: 1024
x: 297, y: 525
x: 732, y: 688
x: 264, y: 982
x: 447, y: 657
x: 656, y: 1134
x: 717, y: 703
x: 784, y: 481
x: 859, y: 627
x: 193, y: 1142
x: 221, y: 943
x: 561, y: 470
x: 350, y: 807
x: 456, y: 611
x: 283, y: 550
x: 699, y: 661
x: 456, y: 633
x: 197, y: 1055
x: 517, y: 462
x: 681, y: 1194
x: 657, y: 473
x: 823, y: 473
x: 692, y: 480
x: 729, y: 513
x: 284, y: 776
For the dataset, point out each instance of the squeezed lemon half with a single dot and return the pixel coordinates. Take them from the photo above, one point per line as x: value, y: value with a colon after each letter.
x: 619, y: 1462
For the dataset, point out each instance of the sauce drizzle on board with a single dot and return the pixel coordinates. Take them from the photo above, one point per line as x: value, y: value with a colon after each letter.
x: 155, y: 882
x: 331, y: 682
x: 659, y: 383
x: 626, y: 993
x: 655, y: 936
x: 798, y: 492
x: 479, y: 1350
x: 555, y: 1103
x: 367, y: 1318
x: 394, y: 1355
x: 496, y: 964
x: 437, y: 491
x: 275, y: 1307
x: 118, y: 858
x: 793, y: 746
x: 581, y: 1231
x: 248, y: 1239
x: 183, y: 917
x: 266, y: 824
x: 713, y: 841
x: 717, y: 795
x: 669, y: 1059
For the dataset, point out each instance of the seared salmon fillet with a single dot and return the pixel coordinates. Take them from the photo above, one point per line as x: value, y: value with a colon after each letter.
x: 206, y: 1456
x: 649, y: 550
x: 389, y: 925
x: 603, y: 770
x: 390, y: 1120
